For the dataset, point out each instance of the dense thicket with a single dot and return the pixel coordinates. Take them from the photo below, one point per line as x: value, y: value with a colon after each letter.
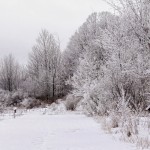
x: 109, y: 59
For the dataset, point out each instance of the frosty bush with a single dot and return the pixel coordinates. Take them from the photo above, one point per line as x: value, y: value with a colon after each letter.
x: 110, y: 122
x: 12, y: 98
x: 71, y: 102
x: 105, y: 124
x: 98, y: 98
x: 129, y: 128
x: 17, y: 95
x: 1, y: 108
x: 114, y: 120
x: 30, y: 103
x: 5, y: 97
x: 55, y: 108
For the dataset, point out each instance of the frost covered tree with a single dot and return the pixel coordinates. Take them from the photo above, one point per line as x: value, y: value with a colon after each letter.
x: 44, y: 63
x: 130, y: 59
x: 79, y: 43
x: 90, y: 62
x: 9, y: 74
x: 115, y: 53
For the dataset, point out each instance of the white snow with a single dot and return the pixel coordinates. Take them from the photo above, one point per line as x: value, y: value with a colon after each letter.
x: 70, y: 131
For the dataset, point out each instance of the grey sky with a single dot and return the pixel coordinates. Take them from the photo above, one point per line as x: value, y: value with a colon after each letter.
x: 22, y: 20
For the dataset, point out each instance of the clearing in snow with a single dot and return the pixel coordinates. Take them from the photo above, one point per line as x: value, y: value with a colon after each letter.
x: 69, y: 131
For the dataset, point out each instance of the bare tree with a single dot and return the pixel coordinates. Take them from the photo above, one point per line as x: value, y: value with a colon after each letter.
x: 9, y: 74
x: 44, y: 63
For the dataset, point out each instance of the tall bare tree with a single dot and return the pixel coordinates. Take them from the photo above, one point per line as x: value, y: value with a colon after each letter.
x: 9, y: 74
x: 44, y: 63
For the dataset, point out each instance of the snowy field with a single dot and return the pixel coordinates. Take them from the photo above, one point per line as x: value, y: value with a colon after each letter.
x: 36, y: 130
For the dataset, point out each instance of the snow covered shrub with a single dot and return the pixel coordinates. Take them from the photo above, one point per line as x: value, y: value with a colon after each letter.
x: 130, y: 127
x: 110, y: 122
x: 98, y: 97
x: 30, y: 103
x: 58, y: 101
x: 11, y: 98
x: 5, y: 97
x: 114, y: 120
x: 70, y: 105
x: 143, y: 143
x: 71, y: 102
x: 130, y: 91
x: 1, y: 108
x: 19, y: 94
x: 136, y: 130
x: 105, y: 124
x: 25, y: 102
x: 55, y: 108
x: 17, y: 97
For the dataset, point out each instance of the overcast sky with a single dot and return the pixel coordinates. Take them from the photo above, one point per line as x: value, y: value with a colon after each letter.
x: 22, y: 20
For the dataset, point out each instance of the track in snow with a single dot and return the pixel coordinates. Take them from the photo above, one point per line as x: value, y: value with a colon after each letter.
x: 70, y: 131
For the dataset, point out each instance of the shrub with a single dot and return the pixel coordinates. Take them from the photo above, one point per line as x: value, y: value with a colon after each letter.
x: 12, y: 98
x: 129, y: 127
x: 30, y: 103
x: 108, y: 123
x: 114, y: 120
x: 71, y: 102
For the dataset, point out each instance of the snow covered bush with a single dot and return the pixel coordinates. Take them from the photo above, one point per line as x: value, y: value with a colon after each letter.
x: 30, y: 103
x: 14, y: 98
x: 135, y: 129
x: 130, y: 127
x: 58, y: 101
x: 56, y: 108
x: 129, y: 91
x: 1, y: 108
x: 110, y: 122
x: 114, y: 120
x: 4, y: 97
x: 99, y: 98
x: 105, y: 124
x: 18, y: 96
x: 71, y: 102
x: 143, y: 142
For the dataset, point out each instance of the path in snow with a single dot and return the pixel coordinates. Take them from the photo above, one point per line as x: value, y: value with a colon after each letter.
x: 70, y: 131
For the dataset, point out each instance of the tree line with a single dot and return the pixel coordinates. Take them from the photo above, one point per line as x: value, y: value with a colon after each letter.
x: 106, y: 62
x: 42, y: 76
x: 109, y: 59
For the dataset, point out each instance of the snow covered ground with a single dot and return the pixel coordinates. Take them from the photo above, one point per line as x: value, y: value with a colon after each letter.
x: 37, y: 130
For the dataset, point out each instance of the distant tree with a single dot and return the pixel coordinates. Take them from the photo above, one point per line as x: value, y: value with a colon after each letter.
x: 9, y: 74
x: 44, y: 62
